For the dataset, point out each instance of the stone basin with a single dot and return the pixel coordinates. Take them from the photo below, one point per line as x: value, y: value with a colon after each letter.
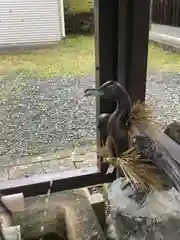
x: 69, y: 217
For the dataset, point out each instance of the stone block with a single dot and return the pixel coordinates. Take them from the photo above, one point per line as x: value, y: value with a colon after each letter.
x: 153, y: 216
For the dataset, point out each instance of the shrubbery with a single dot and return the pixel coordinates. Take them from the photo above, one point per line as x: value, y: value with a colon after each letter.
x: 79, y: 16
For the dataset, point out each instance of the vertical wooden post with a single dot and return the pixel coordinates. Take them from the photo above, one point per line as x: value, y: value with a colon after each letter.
x: 137, y: 69
x: 133, y: 46
x: 123, y: 40
x: 106, y: 46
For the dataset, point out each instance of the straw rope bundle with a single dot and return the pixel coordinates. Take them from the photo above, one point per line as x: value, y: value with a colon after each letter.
x: 141, y: 172
x: 142, y: 113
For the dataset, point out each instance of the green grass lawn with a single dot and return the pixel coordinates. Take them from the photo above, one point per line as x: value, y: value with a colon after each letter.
x: 75, y: 56
x: 160, y: 60
x: 78, y: 6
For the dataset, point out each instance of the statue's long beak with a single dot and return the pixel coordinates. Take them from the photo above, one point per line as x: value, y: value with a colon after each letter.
x: 92, y: 92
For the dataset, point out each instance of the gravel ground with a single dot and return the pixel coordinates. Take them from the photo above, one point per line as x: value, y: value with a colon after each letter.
x: 42, y: 118
x: 39, y: 117
x: 163, y: 92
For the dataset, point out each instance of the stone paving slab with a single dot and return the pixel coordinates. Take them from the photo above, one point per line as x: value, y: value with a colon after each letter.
x: 164, y: 29
x: 49, y: 163
x: 166, y: 36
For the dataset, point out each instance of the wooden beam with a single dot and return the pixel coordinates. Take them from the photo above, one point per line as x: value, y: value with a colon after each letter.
x: 173, y: 131
x: 98, y: 205
x: 167, y: 143
x: 163, y: 151
x: 37, y: 185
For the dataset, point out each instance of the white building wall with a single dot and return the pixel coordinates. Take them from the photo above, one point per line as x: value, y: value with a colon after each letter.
x: 28, y: 22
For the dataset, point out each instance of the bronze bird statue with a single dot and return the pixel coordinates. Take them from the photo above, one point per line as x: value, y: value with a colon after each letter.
x: 102, y: 124
x: 119, y: 122
x: 118, y: 125
x: 114, y: 127
x: 106, y: 140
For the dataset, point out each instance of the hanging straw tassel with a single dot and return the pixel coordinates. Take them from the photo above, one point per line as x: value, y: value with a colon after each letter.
x: 141, y: 172
x: 141, y: 114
